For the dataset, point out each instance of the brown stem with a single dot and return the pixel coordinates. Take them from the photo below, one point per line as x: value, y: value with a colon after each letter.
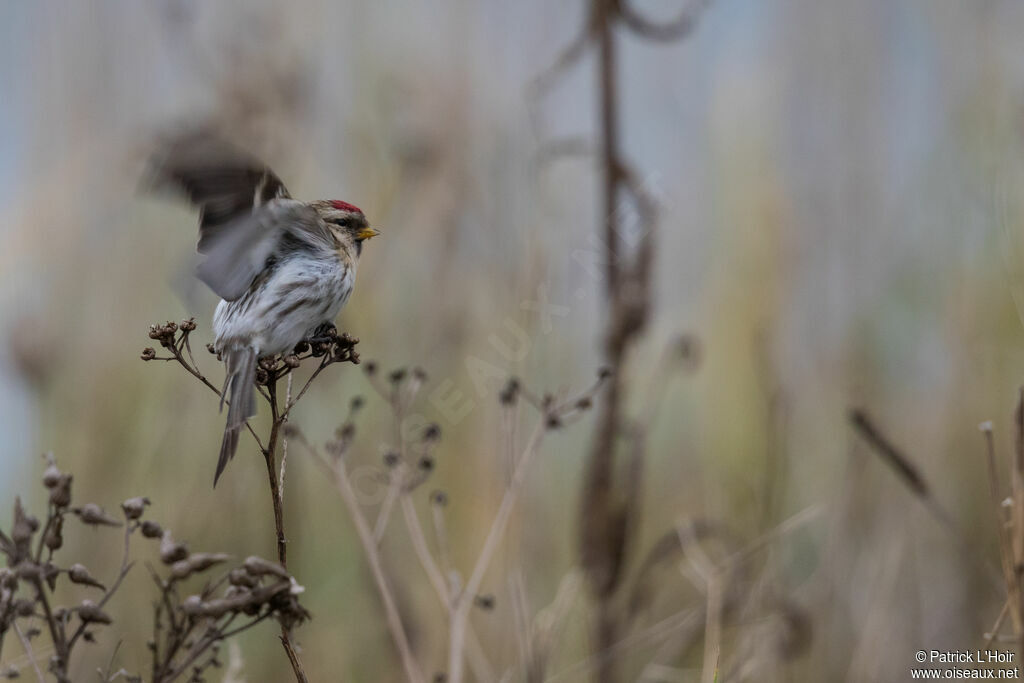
x: 270, y: 455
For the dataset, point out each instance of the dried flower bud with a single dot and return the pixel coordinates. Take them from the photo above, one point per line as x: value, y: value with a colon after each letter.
x: 257, y: 566
x: 510, y: 392
x: 79, y: 574
x: 439, y: 498
x: 426, y: 463
x: 188, y: 325
x: 242, y: 579
x: 155, y: 332
x: 134, y: 507
x: 54, y: 538
x: 292, y: 361
x: 212, y: 349
x: 584, y: 403
x: 370, y: 368
x: 391, y: 458
x: 170, y: 550
x: 397, y: 376
x: 51, y: 476
x: 301, y: 347
x: 148, y: 353
x: 432, y: 432
x: 24, y: 526
x: 151, y: 529
x: 193, y: 604
x: 346, y: 432
x: 484, y: 602
x: 553, y: 421
x: 356, y: 403
x: 24, y: 607
x: 90, y: 613
x: 50, y: 572
x: 198, y: 562
x: 94, y: 515
x: 60, y: 495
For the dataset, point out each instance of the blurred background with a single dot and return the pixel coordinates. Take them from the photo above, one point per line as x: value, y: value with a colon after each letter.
x: 840, y: 225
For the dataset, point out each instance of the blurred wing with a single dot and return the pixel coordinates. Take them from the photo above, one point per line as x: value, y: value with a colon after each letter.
x: 224, y: 183
x: 239, y: 250
x: 245, y: 211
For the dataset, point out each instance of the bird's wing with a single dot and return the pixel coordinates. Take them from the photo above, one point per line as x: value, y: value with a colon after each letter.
x: 223, y: 182
x: 240, y: 250
x: 244, y: 208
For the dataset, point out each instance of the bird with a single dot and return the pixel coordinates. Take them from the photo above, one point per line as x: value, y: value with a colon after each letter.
x: 282, y: 268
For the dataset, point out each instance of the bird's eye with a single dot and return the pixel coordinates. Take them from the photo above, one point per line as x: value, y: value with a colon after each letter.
x: 343, y: 222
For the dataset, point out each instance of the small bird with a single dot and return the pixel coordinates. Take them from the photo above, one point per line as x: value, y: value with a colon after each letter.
x: 283, y: 268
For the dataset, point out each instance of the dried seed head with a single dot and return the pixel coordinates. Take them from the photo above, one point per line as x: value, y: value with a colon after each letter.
x: 426, y: 463
x: 510, y: 392
x: 242, y: 579
x: 134, y: 507
x: 170, y: 550
x: 188, y: 325
x: 193, y: 604
x: 79, y: 574
x: 198, y: 562
x: 148, y: 353
x: 54, y: 538
x: 90, y: 613
x: 93, y: 515
x: 391, y: 458
x: 60, y: 495
x: 257, y: 566
x: 151, y: 529
x: 292, y: 361
x: 51, y: 476
x: 370, y: 368
x: 397, y: 375
x: 485, y: 602
x: 432, y: 432
x: 24, y: 607
x: 356, y: 403
x: 439, y: 498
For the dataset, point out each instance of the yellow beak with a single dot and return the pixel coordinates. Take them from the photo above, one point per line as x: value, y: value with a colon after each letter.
x: 367, y: 233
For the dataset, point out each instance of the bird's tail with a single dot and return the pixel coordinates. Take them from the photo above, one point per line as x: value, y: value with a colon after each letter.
x: 239, y: 385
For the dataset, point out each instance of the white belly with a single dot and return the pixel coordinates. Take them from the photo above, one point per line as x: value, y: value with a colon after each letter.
x: 300, y: 295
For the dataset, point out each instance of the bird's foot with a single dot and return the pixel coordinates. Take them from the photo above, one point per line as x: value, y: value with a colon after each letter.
x: 325, y: 334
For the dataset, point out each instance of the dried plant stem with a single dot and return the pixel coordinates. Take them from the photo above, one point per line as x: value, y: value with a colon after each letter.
x: 464, y: 601
x: 29, y: 653
x: 344, y: 485
x: 277, y: 499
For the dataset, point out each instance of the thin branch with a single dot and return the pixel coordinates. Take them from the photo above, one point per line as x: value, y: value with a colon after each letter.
x: 464, y: 601
x: 339, y: 475
x: 28, y: 653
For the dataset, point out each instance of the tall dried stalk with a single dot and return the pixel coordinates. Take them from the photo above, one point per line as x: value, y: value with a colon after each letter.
x: 607, y: 506
x: 174, y: 338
